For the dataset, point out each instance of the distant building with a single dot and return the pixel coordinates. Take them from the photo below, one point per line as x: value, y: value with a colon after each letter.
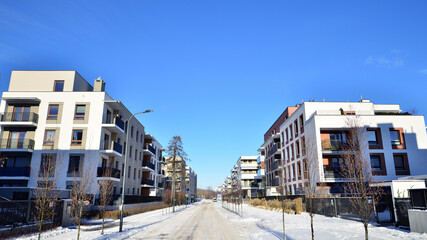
x: 185, y: 177
x: 243, y: 177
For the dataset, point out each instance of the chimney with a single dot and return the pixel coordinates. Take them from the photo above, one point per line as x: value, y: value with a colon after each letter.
x: 99, y: 85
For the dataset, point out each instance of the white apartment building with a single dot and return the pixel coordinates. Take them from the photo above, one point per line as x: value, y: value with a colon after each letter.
x: 59, y: 114
x: 397, y: 142
x: 243, y: 175
x: 261, y: 177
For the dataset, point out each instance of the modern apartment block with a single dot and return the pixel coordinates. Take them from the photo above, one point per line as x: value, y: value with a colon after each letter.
x: 59, y: 115
x: 397, y: 143
x: 185, y: 177
x: 261, y: 177
x: 243, y: 176
x: 191, y: 184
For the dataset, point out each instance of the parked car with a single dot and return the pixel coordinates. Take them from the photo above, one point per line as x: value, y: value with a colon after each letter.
x: 214, y: 199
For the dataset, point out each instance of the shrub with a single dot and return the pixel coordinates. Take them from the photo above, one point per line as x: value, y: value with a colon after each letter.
x: 298, y: 205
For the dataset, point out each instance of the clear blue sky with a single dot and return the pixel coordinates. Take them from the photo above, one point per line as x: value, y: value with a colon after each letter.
x: 219, y: 73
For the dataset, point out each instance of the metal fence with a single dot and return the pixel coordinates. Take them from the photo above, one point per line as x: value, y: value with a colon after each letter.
x: 401, y: 206
x: 335, y: 207
x: 18, y: 212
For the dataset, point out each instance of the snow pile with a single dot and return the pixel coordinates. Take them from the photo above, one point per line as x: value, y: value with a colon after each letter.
x: 264, y: 224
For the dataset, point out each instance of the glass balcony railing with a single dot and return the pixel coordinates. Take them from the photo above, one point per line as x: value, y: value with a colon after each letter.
x: 15, y: 172
x: 108, y: 172
x: 150, y: 148
x: 16, y: 144
x: 20, y: 117
x: 148, y: 164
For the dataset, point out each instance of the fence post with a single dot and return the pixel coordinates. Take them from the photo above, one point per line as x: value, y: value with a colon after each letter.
x: 27, y: 218
x: 335, y: 206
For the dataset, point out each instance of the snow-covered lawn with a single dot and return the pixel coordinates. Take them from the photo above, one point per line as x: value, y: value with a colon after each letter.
x: 255, y: 224
x: 265, y: 224
x: 132, y: 225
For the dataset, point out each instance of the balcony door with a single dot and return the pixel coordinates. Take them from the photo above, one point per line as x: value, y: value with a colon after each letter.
x: 21, y: 114
x: 16, y: 139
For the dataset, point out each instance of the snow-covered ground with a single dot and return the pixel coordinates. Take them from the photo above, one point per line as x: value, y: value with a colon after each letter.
x: 264, y: 224
x: 207, y: 220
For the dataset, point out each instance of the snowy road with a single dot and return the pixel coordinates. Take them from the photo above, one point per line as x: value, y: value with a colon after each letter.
x: 201, y: 222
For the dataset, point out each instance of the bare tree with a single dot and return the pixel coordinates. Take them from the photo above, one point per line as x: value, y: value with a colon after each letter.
x: 356, y: 169
x: 46, y: 195
x: 106, y: 187
x: 311, y: 171
x: 175, y: 150
x: 81, y: 192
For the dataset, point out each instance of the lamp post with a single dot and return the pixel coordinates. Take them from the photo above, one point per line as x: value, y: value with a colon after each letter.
x: 124, y: 168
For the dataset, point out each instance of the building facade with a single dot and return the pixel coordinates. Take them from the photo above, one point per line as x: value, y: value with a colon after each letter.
x: 58, y: 114
x: 397, y: 143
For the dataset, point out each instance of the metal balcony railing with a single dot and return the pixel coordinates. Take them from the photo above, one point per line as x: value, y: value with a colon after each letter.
x: 148, y: 164
x: 20, y: 117
x: 145, y: 181
x: 108, y: 172
x: 150, y: 148
x: 119, y: 123
x: 15, y: 172
x: 6, y: 143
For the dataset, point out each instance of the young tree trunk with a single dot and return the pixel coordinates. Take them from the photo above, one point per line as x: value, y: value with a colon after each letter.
x: 80, y: 221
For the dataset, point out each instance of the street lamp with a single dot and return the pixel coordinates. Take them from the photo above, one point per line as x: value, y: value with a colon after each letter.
x: 124, y: 168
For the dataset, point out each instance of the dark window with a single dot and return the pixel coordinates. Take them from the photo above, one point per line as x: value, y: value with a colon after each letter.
x: 137, y: 134
x: 376, y: 163
x: 401, y: 164
x: 395, y: 137
x: 80, y: 112
x: 47, y: 164
x: 337, y: 138
x: 58, y: 86
x: 77, y: 137
x: 52, y: 113
x: 73, y: 166
x: 372, y: 137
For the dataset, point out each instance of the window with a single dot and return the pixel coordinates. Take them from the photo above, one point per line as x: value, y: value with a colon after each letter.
x: 131, y: 132
x: 396, y: 138
x: 137, y: 134
x: 337, y: 138
x: 134, y: 173
x: 130, y: 152
x: 301, y: 123
x: 291, y: 131
x: 287, y: 154
x: 58, y: 86
x: 49, y: 137
x: 292, y: 152
x: 299, y: 170
x: 77, y: 137
x: 401, y: 164
x: 47, y: 165
x: 73, y: 166
x: 378, y: 164
x: 129, y: 172
x: 16, y: 139
x: 303, y: 146
x: 296, y: 127
x: 141, y: 138
x: 297, y: 148
x: 80, y: 112
x: 136, y: 154
x: 373, y: 136
x: 21, y: 114
x: 286, y: 135
x: 52, y: 112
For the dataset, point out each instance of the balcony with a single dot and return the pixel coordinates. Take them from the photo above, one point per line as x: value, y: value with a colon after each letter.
x: 274, y: 165
x: 24, y: 119
x: 115, y: 125
x: 149, y: 149
x: 333, y: 175
x: 333, y: 146
x: 15, y: 145
x: 147, y: 182
x: 148, y: 166
x: 108, y: 173
x: 114, y: 149
x: 15, y: 172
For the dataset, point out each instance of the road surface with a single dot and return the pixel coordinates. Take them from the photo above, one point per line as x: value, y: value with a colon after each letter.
x: 199, y: 222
